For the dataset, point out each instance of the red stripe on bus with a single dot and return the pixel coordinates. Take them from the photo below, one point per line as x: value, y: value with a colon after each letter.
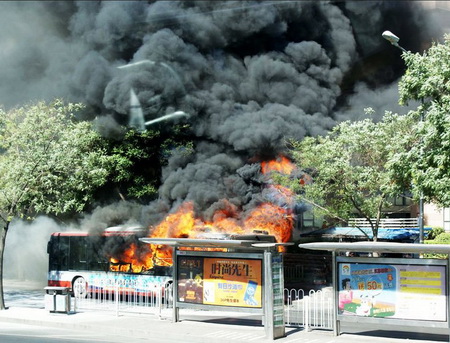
x: 70, y: 234
x: 59, y: 283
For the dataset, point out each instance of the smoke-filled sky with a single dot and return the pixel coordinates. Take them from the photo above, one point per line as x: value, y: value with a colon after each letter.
x: 250, y: 75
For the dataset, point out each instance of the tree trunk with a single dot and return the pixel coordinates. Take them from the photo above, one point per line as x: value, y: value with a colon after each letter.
x: 4, y: 231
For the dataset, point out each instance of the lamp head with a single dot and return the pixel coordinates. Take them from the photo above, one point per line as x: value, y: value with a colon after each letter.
x: 389, y: 36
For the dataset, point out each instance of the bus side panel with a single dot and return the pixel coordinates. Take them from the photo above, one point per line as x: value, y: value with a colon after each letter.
x: 123, y: 283
x: 98, y: 282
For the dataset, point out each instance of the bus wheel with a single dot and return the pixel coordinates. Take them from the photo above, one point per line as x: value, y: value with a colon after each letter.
x: 79, y: 287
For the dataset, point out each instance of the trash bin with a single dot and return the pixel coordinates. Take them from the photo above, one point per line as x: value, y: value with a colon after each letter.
x: 57, y: 299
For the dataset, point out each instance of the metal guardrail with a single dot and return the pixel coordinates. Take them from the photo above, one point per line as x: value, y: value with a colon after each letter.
x: 388, y: 223
x: 123, y: 296
x: 310, y: 310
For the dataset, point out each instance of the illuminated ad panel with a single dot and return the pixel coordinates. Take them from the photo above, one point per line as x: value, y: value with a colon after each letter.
x: 398, y: 291
x: 220, y: 281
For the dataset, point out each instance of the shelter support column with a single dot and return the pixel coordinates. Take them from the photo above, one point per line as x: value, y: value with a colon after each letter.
x: 448, y: 296
x: 175, y: 311
x: 273, y: 295
x: 336, y: 326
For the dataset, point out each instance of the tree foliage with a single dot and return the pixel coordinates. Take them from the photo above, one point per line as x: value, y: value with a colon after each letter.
x: 138, y: 158
x: 427, y: 77
x: 350, y: 167
x: 136, y: 164
x: 427, y: 164
x: 49, y: 164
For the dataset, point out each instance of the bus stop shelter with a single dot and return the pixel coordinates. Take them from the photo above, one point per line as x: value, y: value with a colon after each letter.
x: 393, y: 288
x: 243, y: 275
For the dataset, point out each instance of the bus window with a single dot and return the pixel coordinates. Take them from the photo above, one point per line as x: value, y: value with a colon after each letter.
x: 63, y: 255
x: 77, y: 253
x: 53, y: 254
x: 96, y: 258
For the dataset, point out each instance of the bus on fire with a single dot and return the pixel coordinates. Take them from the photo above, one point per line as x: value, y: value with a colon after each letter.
x: 114, y: 260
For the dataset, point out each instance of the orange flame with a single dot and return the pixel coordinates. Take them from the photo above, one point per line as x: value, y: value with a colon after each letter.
x: 273, y: 219
x: 281, y: 165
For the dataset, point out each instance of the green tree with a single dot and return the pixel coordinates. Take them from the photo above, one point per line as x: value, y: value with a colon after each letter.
x: 138, y: 158
x: 49, y: 164
x: 350, y: 168
x: 427, y: 164
x: 136, y: 166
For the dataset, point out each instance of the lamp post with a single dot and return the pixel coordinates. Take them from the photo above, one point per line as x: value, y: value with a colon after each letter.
x: 175, y: 114
x: 162, y: 64
x: 393, y: 39
x: 136, y: 113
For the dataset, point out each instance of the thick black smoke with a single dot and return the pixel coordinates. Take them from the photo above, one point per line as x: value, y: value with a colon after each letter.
x: 250, y: 74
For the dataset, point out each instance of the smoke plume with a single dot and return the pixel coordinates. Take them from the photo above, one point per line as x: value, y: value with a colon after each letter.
x: 26, y: 249
x: 249, y: 75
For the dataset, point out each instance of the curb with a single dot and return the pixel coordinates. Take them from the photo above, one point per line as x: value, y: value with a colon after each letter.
x: 154, y: 329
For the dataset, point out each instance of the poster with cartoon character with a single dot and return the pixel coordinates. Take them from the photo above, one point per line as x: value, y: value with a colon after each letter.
x: 392, y: 291
x: 367, y: 289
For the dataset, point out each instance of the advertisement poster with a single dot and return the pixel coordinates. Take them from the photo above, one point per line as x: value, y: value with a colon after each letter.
x: 399, y: 291
x: 190, y: 279
x: 220, y: 281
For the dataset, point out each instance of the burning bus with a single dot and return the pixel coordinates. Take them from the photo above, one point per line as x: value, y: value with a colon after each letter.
x: 116, y: 260
x: 89, y: 263
x: 82, y: 261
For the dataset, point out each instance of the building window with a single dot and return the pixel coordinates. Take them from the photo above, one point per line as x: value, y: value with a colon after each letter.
x: 403, y: 200
x: 307, y: 220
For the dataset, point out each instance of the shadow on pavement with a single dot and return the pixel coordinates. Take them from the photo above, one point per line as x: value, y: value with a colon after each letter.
x: 293, y: 330
x: 402, y: 335
x: 228, y: 321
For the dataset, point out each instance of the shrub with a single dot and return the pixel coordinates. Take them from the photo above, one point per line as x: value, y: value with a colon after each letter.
x: 441, y: 238
x: 435, y: 231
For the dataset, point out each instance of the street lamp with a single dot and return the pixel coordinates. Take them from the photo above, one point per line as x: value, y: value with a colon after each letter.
x: 175, y: 114
x: 393, y: 39
x: 136, y: 113
x: 162, y: 64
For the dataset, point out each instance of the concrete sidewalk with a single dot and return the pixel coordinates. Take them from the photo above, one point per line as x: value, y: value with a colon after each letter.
x: 200, y: 326
x: 194, y: 326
